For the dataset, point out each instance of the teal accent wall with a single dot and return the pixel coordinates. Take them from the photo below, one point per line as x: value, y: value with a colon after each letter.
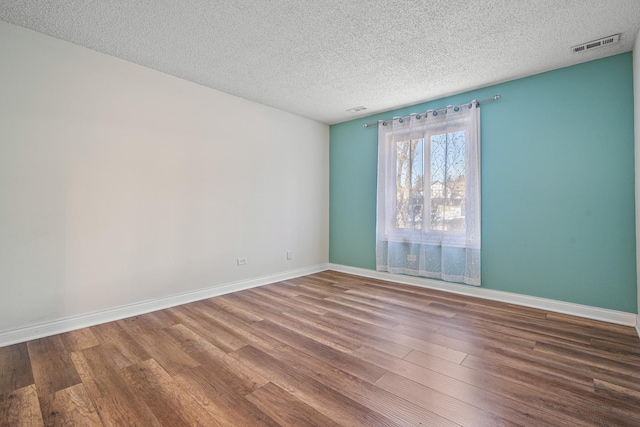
x: 558, y: 216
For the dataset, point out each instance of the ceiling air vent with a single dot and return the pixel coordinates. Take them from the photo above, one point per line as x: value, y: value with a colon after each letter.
x: 356, y: 109
x: 605, y: 41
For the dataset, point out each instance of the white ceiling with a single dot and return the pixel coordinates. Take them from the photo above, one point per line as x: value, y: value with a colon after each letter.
x: 319, y: 58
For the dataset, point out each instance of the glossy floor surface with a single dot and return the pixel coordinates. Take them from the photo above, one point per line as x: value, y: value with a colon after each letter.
x: 329, y: 349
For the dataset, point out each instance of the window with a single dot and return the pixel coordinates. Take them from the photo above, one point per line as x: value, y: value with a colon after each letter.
x: 429, y: 194
x: 440, y: 192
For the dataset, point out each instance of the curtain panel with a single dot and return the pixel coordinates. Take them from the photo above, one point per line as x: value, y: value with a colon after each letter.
x: 428, y: 203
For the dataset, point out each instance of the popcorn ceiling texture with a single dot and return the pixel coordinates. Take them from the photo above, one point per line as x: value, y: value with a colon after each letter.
x: 319, y: 58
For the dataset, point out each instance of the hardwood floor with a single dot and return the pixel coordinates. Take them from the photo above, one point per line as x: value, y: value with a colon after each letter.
x: 329, y: 349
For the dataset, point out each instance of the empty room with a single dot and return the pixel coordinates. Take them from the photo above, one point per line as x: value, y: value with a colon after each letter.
x: 319, y: 213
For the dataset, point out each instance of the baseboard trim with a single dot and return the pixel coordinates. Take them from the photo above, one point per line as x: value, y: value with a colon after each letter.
x: 90, y: 319
x: 638, y: 324
x: 595, y: 313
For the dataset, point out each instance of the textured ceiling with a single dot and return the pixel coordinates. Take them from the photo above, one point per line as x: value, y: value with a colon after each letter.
x: 319, y: 58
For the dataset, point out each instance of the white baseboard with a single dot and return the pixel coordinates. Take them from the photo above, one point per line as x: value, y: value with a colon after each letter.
x: 82, y: 321
x: 595, y: 313
x: 90, y: 319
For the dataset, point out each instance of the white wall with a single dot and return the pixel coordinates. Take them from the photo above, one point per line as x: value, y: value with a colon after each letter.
x: 636, y: 96
x: 120, y: 184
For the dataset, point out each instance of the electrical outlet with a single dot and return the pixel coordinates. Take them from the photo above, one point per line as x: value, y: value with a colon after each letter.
x: 242, y: 261
x: 289, y: 255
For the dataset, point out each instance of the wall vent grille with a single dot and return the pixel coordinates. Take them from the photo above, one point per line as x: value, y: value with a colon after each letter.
x: 605, y: 41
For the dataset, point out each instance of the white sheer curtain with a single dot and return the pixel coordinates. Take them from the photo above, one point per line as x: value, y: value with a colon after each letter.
x: 428, y: 209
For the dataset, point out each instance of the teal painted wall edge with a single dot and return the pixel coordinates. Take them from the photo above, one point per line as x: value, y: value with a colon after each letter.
x: 557, y: 185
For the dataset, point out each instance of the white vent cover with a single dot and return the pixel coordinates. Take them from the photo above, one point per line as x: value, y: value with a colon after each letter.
x: 605, y: 41
x: 356, y: 109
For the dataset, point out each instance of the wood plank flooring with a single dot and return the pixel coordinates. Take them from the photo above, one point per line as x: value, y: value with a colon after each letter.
x: 329, y: 349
